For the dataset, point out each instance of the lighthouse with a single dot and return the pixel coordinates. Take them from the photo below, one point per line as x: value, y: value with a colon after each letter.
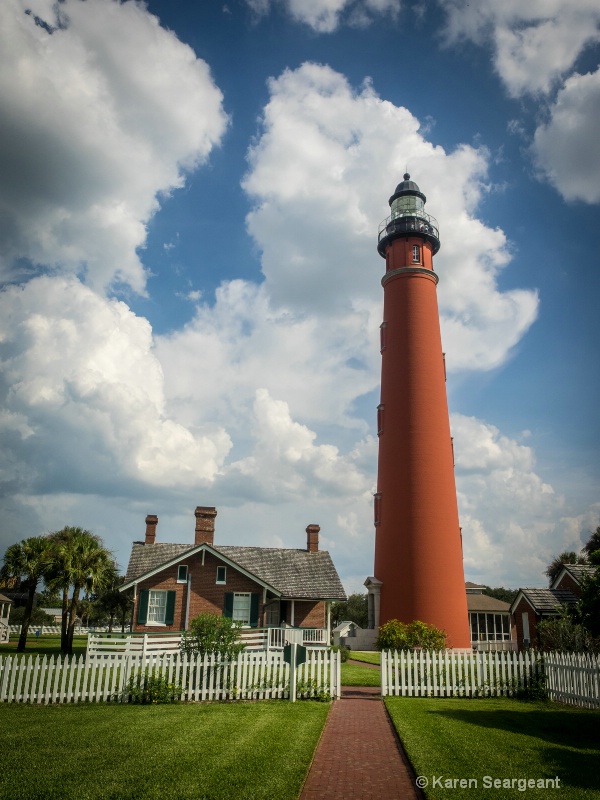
x: 418, y: 550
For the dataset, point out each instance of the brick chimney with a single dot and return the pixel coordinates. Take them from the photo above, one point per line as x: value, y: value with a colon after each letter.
x: 205, y: 524
x: 151, y: 523
x: 312, y: 538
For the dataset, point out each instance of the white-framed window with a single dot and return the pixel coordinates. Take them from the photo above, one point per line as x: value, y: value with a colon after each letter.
x: 182, y: 573
x: 489, y: 627
x: 221, y: 574
x: 241, y: 607
x: 157, y: 607
x: 416, y: 254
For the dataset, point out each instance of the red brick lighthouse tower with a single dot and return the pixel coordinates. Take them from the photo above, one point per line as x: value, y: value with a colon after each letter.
x: 418, y: 549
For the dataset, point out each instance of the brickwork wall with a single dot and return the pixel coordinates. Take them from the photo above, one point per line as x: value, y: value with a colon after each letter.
x: 567, y: 582
x: 209, y: 596
x: 308, y: 614
x: 206, y: 594
x: 524, y: 606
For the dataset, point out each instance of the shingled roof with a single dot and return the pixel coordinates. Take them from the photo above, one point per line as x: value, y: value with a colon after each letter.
x: 485, y: 603
x: 294, y: 573
x: 546, y: 601
x: 145, y: 558
x: 577, y: 571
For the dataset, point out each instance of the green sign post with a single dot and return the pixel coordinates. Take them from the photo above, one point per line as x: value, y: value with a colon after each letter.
x: 294, y: 654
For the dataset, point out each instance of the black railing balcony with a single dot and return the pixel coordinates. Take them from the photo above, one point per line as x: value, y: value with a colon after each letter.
x: 409, y: 222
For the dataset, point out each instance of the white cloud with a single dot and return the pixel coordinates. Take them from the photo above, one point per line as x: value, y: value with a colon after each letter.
x: 98, y: 117
x: 288, y: 464
x: 536, y: 43
x: 513, y: 522
x: 325, y: 16
x: 84, y: 397
x: 215, y: 364
x: 317, y: 176
x: 566, y: 147
x: 536, y: 47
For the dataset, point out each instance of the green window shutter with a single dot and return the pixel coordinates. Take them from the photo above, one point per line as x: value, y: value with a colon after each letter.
x: 228, y: 607
x: 170, y: 609
x: 143, y: 607
x: 254, y: 610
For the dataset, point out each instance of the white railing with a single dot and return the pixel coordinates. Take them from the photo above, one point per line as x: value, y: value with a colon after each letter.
x: 253, y: 639
x: 251, y: 676
x: 277, y: 638
x: 501, y: 645
x: 570, y: 678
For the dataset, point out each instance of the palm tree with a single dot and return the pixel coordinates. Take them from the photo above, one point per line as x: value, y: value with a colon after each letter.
x: 81, y: 561
x: 28, y: 561
x: 59, y: 575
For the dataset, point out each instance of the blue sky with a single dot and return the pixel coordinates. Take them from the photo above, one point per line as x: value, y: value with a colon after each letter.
x: 190, y: 283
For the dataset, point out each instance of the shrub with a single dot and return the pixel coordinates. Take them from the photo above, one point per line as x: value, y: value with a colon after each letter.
x: 151, y: 687
x: 396, y: 635
x: 533, y: 685
x: 211, y: 633
x: 343, y: 651
x: 563, y: 634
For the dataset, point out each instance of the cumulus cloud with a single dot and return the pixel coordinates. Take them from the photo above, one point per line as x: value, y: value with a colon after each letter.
x: 535, y: 43
x: 325, y: 16
x: 288, y: 463
x: 247, y: 343
x: 513, y: 522
x: 316, y: 176
x: 84, y: 397
x: 536, y: 48
x: 566, y: 147
x: 101, y: 109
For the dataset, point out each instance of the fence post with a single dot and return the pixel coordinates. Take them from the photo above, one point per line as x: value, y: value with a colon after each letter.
x: 294, y: 648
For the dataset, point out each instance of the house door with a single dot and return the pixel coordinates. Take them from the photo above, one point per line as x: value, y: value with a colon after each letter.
x: 272, y: 613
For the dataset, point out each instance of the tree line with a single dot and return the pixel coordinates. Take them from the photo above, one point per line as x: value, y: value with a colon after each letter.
x: 75, y: 567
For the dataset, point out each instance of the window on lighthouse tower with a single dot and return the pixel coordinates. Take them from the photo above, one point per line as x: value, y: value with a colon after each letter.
x: 416, y: 254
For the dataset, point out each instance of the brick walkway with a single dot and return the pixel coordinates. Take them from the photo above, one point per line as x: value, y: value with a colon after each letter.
x: 359, y: 755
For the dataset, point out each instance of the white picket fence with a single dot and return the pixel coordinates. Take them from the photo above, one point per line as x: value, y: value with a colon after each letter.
x: 251, y: 676
x: 572, y: 678
x: 54, y: 630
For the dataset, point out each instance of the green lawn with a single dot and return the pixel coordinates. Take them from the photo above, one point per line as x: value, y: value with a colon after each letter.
x: 43, y: 645
x: 216, y: 751
x: 357, y: 675
x: 369, y: 657
x: 502, y: 739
